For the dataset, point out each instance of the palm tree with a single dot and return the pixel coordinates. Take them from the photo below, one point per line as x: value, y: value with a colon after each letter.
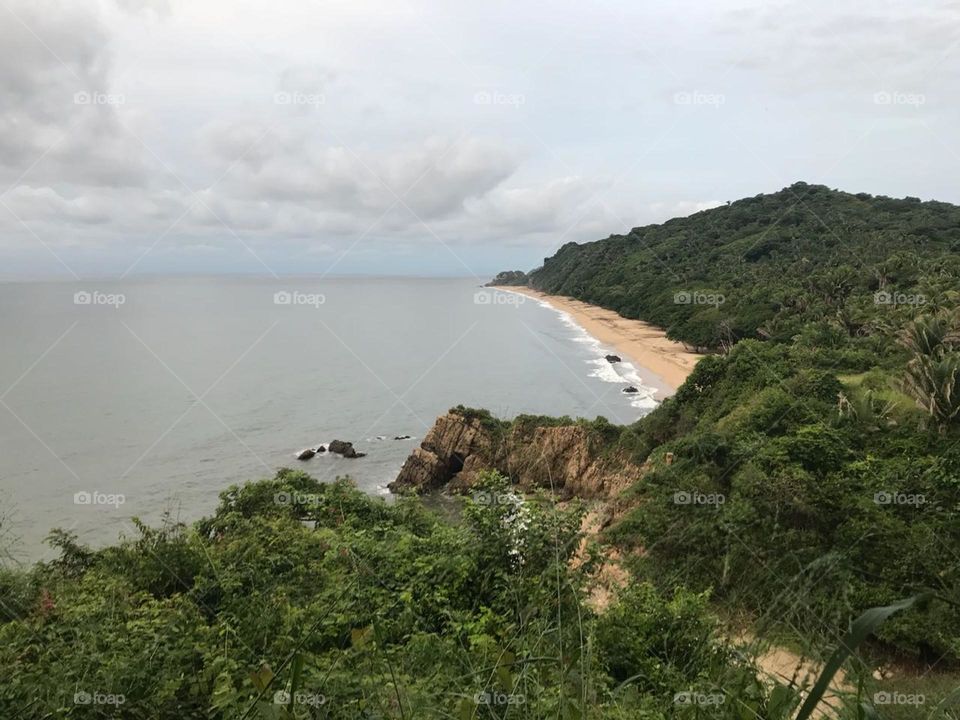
x: 931, y: 335
x: 933, y: 372
x: 933, y: 384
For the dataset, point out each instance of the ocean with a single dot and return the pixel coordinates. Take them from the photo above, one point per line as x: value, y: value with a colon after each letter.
x: 149, y: 396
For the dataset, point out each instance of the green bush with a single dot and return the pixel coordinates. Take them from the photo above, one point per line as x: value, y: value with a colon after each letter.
x: 314, y: 589
x: 664, y: 643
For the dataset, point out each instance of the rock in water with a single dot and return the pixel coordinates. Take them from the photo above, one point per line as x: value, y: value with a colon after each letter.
x: 305, y: 454
x: 630, y: 389
x: 321, y: 449
x: 401, y: 437
x: 613, y: 358
x: 344, y: 448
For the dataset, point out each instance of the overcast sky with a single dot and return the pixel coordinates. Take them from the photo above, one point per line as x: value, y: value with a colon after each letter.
x: 450, y: 138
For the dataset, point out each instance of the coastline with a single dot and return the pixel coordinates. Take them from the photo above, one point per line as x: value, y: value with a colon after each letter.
x: 663, y: 364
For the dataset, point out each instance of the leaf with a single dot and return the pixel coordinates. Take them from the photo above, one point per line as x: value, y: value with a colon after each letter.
x: 783, y: 700
x: 862, y: 628
x: 223, y: 691
x: 504, y: 672
x: 262, y: 677
x: 360, y: 636
x: 295, y: 673
x: 466, y: 709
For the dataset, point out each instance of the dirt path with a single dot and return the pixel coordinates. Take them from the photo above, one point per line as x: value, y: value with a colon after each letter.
x: 776, y: 664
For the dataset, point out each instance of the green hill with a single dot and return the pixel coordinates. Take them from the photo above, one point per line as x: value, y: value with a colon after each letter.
x: 763, y: 267
x: 827, y: 419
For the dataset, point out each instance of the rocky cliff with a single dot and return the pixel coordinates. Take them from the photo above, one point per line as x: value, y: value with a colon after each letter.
x: 566, y: 459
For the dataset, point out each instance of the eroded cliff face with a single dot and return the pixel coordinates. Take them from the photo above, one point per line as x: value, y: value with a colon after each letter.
x: 564, y: 459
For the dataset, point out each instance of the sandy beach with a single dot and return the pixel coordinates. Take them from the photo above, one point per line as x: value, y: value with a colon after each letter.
x: 663, y: 364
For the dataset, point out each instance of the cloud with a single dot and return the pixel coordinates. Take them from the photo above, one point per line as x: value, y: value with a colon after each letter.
x: 547, y: 207
x: 432, y: 178
x: 866, y: 47
x: 41, y: 204
x: 439, y: 175
x: 161, y: 8
x: 299, y: 130
x: 681, y: 208
x: 59, y: 118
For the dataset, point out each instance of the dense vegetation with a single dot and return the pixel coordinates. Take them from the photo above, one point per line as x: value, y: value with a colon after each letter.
x: 767, y: 266
x: 817, y: 453
x: 510, y: 277
x: 801, y: 507
x: 304, y: 599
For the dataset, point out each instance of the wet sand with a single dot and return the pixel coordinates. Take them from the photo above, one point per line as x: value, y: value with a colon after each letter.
x: 668, y: 362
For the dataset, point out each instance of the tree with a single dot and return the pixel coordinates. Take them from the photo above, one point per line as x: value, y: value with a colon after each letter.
x: 932, y: 373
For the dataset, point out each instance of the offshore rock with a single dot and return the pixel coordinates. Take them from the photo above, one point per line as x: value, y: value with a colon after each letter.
x: 344, y: 448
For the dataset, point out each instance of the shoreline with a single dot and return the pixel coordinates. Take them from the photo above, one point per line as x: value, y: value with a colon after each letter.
x: 662, y: 364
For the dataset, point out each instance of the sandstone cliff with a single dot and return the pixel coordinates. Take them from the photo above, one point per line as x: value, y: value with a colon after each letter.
x: 566, y: 459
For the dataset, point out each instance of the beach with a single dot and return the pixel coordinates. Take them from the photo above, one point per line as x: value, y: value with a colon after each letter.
x: 667, y: 363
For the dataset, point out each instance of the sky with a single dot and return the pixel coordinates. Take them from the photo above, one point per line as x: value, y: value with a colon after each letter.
x: 443, y: 138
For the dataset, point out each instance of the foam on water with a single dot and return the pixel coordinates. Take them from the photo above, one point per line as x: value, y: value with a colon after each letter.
x: 605, y: 371
x: 630, y: 374
x: 624, y: 373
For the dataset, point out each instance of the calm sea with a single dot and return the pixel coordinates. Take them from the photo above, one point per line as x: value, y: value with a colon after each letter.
x: 123, y: 399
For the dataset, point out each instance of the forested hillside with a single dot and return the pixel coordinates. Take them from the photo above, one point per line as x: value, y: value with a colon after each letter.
x: 816, y: 453
x: 764, y: 267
